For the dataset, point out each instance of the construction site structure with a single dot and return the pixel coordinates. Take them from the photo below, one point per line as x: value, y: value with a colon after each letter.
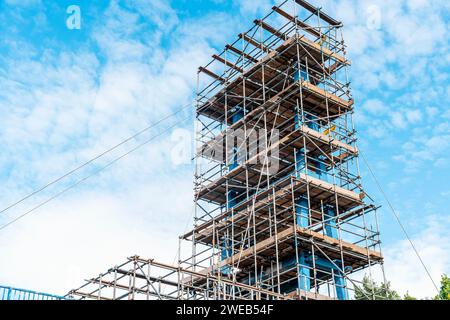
x: 280, y: 211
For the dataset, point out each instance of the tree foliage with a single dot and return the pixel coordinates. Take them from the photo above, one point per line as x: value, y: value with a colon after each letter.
x: 407, y: 296
x: 444, y: 292
x: 369, y: 290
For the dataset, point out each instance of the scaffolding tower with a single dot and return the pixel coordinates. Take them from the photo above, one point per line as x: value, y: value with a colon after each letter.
x: 280, y: 211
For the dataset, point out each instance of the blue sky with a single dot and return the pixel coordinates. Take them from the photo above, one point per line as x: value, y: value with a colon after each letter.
x: 66, y: 95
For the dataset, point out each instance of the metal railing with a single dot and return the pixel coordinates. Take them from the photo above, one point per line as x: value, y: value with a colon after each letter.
x: 10, y: 293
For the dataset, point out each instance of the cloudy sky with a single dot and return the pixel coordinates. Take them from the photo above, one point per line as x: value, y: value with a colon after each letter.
x: 66, y: 95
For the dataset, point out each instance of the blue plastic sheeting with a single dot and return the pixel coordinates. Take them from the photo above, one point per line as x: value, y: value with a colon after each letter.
x: 301, y: 209
x: 227, y: 250
x: 303, y: 74
x: 340, y: 283
x: 237, y: 115
x: 225, y: 253
x: 339, y: 280
x: 300, y: 162
x: 232, y: 196
x: 305, y: 273
x: 330, y: 225
x: 319, y: 162
x: 9, y: 293
x: 302, y: 213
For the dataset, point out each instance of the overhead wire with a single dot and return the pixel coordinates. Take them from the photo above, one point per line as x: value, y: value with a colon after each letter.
x: 49, y: 184
x: 397, y: 217
x: 110, y: 163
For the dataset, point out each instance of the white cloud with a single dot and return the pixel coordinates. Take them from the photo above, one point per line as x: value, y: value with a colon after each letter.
x: 375, y: 106
x: 254, y: 9
x: 425, y: 148
x: 83, y: 234
x: 414, y: 116
x: 398, y: 120
x: 68, y: 107
x: 403, y: 268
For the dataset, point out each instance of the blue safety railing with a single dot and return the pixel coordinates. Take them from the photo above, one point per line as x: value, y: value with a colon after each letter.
x: 9, y: 293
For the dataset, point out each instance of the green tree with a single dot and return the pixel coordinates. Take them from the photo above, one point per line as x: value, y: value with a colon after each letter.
x: 408, y: 297
x: 369, y: 290
x: 444, y: 292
